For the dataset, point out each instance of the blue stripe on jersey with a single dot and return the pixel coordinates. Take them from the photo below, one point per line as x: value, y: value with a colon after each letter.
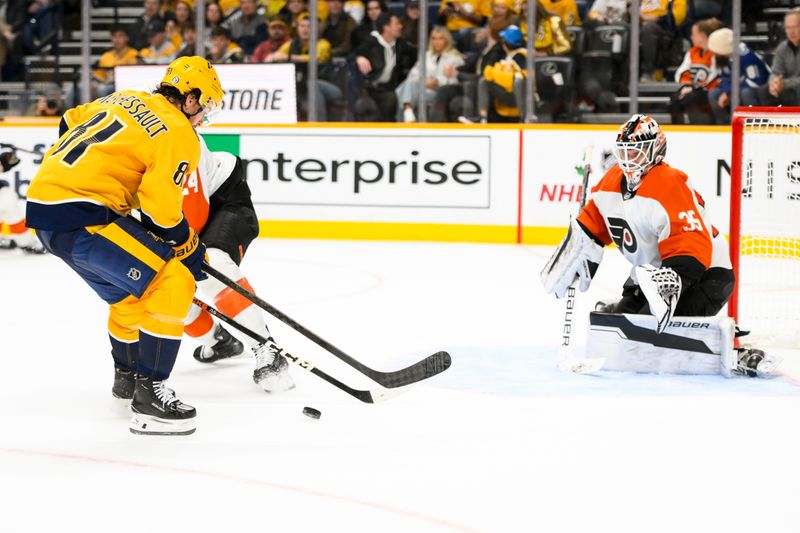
x: 67, y: 216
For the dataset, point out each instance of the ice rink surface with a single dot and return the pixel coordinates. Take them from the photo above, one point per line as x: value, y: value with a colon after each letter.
x: 501, y: 442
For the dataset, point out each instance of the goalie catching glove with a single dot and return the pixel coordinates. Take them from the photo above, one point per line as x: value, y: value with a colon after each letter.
x: 191, y: 253
x: 577, y: 257
x: 662, y: 288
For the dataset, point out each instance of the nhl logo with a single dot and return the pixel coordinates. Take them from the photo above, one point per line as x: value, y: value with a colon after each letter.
x: 135, y: 274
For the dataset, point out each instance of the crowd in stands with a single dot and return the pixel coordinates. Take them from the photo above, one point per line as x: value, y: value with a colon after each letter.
x: 476, y: 58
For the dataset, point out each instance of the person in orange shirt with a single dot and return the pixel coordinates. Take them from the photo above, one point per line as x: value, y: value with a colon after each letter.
x: 120, y: 54
x: 697, y: 75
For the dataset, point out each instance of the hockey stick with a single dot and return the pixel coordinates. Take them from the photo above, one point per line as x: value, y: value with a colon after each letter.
x: 567, y: 362
x: 18, y: 149
x: 366, y: 396
x: 428, y: 367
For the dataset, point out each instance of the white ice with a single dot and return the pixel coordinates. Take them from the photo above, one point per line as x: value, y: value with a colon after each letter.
x: 501, y: 442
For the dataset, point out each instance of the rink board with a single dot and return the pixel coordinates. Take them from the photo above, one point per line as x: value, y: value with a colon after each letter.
x: 497, y: 183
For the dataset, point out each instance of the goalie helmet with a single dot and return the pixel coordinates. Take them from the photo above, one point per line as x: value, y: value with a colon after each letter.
x: 640, y: 145
x: 194, y: 72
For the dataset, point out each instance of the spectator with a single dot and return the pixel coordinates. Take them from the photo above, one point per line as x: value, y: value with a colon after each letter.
x: 356, y: 10
x: 410, y: 21
x: 566, y: 9
x: 49, y: 104
x: 213, y: 21
x: 384, y: 61
x: 177, y: 22
x: 277, y: 34
x: 189, y: 37
x: 697, y: 75
x: 551, y: 34
x: 463, y: 17
x: 290, y: 12
x: 223, y: 50
x: 161, y: 51
x: 40, y: 24
x: 363, y: 31
x: 247, y: 27
x: 784, y: 83
x: 297, y: 51
x: 137, y: 31
x: 657, y: 35
x: 441, y: 62
x: 11, y: 52
x: 504, y: 82
x: 338, y: 29
x: 608, y: 12
x: 754, y: 73
x: 120, y: 54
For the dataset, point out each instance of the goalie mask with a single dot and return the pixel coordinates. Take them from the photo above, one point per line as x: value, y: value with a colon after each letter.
x: 640, y: 145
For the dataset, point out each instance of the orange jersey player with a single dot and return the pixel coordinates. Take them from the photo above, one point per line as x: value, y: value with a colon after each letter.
x: 218, y: 207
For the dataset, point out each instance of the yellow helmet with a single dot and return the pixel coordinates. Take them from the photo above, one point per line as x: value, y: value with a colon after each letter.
x: 194, y: 72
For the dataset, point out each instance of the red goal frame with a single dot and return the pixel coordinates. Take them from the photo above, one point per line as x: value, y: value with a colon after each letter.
x: 735, y: 224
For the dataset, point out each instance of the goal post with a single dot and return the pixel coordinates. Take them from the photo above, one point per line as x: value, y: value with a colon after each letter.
x: 765, y: 222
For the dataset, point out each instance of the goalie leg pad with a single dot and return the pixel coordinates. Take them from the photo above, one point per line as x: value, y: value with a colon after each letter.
x: 688, y: 345
x: 577, y: 257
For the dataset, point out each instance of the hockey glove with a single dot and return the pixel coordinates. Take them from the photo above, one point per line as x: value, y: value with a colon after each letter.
x: 662, y: 288
x: 9, y: 160
x: 577, y: 257
x: 191, y: 253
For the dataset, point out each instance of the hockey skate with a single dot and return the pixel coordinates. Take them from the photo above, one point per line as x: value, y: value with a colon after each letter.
x: 226, y: 346
x: 124, y: 383
x: 272, y: 370
x: 156, y: 410
x: 7, y: 244
x: 753, y: 363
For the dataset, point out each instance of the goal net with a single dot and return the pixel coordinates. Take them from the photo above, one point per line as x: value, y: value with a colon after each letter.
x: 765, y: 224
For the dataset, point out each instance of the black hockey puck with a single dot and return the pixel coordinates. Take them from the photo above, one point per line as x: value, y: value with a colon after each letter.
x: 310, y: 412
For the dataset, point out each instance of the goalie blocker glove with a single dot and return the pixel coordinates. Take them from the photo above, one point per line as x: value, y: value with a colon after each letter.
x: 577, y: 257
x: 662, y: 288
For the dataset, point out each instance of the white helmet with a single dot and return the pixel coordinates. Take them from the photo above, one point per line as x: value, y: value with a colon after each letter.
x: 640, y: 145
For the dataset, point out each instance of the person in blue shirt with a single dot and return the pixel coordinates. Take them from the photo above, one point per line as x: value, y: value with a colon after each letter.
x: 754, y: 73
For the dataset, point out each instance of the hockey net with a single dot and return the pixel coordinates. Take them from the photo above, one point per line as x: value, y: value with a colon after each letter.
x: 765, y: 224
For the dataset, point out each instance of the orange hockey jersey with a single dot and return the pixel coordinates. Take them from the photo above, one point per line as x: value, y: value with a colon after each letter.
x: 698, y: 69
x: 212, y: 171
x: 664, y: 218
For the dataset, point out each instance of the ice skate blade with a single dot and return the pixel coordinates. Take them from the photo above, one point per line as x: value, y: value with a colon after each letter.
x: 142, y: 424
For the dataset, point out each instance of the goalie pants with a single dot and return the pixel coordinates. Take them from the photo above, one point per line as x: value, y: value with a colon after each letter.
x: 147, y: 289
x: 704, y: 298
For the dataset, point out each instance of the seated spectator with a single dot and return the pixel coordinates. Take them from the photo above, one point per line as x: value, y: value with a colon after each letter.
x: 290, y: 12
x: 223, y: 50
x: 656, y: 36
x: 441, y: 62
x: 384, y: 60
x: 410, y: 21
x: 462, y: 18
x: 297, y: 51
x: 784, y: 83
x: 247, y: 26
x: 363, y: 31
x: 277, y: 35
x: 213, y: 21
x: 566, y: 9
x: 178, y: 21
x: 697, y: 75
x: 338, y: 29
x: 188, y: 46
x: 608, y: 12
x: 120, y: 54
x: 137, y: 31
x: 754, y: 74
x: 504, y: 82
x: 161, y: 51
x: 552, y: 38
x: 356, y: 10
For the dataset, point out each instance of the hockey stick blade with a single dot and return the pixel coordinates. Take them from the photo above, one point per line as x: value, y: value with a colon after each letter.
x: 428, y: 367
x: 366, y: 396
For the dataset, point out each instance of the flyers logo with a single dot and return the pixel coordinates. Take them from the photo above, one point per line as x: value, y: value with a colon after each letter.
x: 622, y: 235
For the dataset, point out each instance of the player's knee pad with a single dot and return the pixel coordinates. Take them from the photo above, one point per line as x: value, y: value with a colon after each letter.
x: 124, y: 318
x: 168, y: 299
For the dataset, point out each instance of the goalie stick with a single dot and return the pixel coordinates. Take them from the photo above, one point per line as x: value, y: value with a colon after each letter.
x: 428, y: 367
x: 567, y: 362
x: 366, y: 396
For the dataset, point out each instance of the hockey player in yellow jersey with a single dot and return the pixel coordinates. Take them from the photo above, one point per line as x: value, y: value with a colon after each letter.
x: 122, y: 155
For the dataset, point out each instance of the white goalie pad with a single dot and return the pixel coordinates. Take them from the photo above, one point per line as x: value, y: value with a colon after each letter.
x: 688, y: 345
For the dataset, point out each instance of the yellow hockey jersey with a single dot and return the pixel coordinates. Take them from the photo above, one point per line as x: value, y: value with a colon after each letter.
x: 129, y: 150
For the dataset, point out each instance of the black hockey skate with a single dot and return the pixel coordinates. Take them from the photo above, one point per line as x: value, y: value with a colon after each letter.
x: 227, y: 346
x: 124, y: 383
x: 272, y: 370
x: 156, y: 410
x: 753, y: 362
